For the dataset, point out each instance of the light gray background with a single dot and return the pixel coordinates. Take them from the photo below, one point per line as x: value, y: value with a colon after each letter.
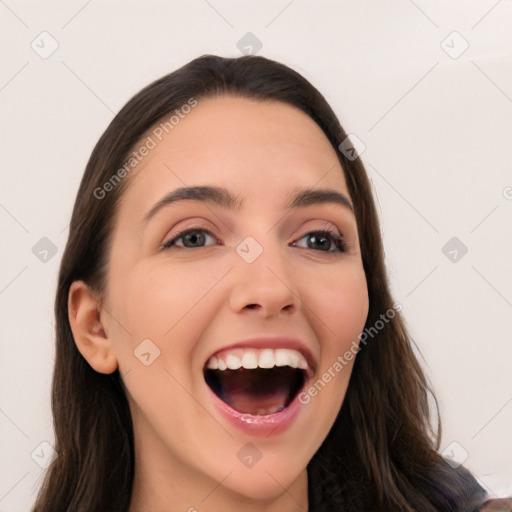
x: 437, y: 131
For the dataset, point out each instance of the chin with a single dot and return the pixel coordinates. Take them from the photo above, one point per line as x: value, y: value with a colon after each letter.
x: 256, y: 484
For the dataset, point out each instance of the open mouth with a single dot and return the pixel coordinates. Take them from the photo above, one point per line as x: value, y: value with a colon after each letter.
x: 257, y: 381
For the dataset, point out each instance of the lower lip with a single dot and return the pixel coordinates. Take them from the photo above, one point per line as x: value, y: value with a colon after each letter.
x: 261, y: 426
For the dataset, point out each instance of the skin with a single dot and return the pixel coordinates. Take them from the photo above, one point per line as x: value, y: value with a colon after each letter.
x: 193, y: 301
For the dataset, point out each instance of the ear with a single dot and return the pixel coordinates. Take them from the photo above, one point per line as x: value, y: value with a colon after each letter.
x: 90, y: 335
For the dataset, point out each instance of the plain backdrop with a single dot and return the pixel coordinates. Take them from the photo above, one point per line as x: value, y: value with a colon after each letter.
x: 426, y: 86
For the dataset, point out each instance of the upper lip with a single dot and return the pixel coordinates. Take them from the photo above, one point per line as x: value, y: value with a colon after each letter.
x: 273, y: 342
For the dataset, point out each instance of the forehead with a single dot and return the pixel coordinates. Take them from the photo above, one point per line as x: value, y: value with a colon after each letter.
x: 258, y: 149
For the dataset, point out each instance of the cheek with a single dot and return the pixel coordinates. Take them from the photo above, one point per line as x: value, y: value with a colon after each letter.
x: 338, y: 308
x: 169, y: 306
x: 340, y: 301
x: 165, y: 304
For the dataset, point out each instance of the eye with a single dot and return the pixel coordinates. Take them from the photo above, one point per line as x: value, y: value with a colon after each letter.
x: 190, y: 239
x: 195, y: 238
x: 324, y: 241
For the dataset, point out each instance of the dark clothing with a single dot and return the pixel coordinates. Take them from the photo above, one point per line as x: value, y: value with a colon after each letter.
x: 474, y: 499
x: 497, y: 505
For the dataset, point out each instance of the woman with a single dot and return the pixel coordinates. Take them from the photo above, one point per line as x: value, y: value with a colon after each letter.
x: 225, y: 333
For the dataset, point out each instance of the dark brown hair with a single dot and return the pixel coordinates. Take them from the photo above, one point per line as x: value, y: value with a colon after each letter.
x: 381, y: 453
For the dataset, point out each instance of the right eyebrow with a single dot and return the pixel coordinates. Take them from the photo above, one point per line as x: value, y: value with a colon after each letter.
x: 205, y: 194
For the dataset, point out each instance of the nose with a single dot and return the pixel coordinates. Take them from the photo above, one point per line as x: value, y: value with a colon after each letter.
x: 265, y: 286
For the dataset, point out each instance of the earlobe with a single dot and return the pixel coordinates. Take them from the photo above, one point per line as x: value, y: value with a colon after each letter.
x: 90, y: 335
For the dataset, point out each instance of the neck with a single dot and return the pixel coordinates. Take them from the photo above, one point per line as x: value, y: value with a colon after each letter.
x: 167, y: 492
x: 164, y: 483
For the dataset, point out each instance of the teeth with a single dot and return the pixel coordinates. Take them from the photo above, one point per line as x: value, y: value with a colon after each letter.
x: 271, y: 410
x: 233, y: 362
x: 282, y: 357
x: 250, y: 359
x: 213, y: 364
x: 267, y: 358
x: 254, y: 358
x: 295, y: 360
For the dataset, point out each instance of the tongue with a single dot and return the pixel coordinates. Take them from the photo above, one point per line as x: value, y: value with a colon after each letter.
x: 258, y: 392
x: 269, y: 403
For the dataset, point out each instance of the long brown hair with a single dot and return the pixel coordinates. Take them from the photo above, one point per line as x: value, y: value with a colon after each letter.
x: 381, y: 453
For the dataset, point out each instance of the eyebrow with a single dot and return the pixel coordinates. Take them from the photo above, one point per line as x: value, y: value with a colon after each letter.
x: 220, y: 196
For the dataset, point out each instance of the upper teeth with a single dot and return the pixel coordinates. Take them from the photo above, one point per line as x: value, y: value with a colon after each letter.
x: 251, y: 358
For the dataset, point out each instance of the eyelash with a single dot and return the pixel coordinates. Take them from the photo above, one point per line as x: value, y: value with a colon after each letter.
x: 333, y: 237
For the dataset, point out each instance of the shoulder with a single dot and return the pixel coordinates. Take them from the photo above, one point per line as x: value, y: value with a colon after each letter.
x: 478, y: 499
x: 496, y: 505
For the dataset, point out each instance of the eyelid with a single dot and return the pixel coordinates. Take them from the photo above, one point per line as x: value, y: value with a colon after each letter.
x: 191, y: 223
x: 326, y: 225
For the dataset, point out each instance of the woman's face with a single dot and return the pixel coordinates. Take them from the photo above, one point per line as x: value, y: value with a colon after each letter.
x: 254, y: 283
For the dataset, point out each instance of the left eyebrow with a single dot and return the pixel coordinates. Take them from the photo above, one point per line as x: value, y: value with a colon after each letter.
x: 301, y: 198
x: 220, y: 196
